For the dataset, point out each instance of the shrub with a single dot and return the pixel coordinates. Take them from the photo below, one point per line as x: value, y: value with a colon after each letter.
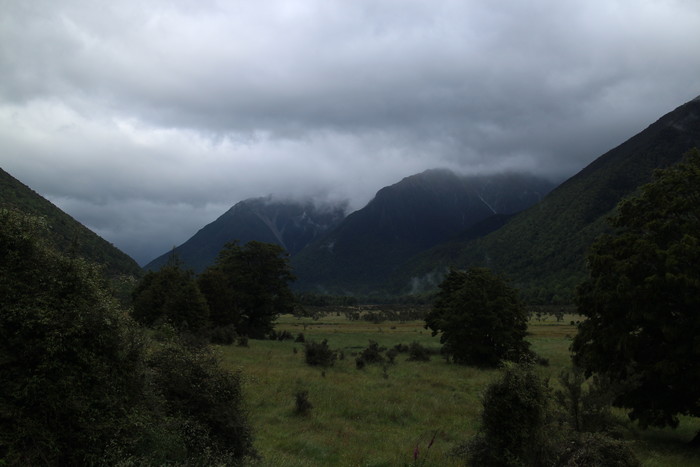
x: 587, y: 406
x: 319, y: 354
x: 223, y: 335
x: 242, y: 341
x: 513, y: 422
x: 302, y: 404
x: 300, y: 338
x: 203, y: 400
x: 596, y: 449
x: 280, y: 336
x: 418, y: 353
x: 373, y: 353
x: 391, y: 355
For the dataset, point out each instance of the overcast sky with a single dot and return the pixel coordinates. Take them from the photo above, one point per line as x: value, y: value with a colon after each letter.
x: 146, y: 120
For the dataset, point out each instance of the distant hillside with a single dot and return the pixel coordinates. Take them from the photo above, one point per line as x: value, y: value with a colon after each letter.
x: 291, y: 225
x: 543, y: 249
x: 404, y: 219
x: 65, y: 232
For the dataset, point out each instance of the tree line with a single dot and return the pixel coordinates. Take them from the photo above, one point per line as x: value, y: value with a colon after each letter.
x: 241, y: 295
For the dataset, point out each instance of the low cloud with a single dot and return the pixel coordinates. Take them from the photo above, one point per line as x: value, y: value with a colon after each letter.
x: 146, y: 120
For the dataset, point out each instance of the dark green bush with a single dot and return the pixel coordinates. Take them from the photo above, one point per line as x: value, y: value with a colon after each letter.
x: 514, y: 421
x: 418, y: 353
x: 319, y: 354
x: 204, y: 401
x: 280, y: 335
x: 596, y: 450
x: 302, y: 405
x: 391, y: 355
x: 223, y: 335
x: 373, y: 353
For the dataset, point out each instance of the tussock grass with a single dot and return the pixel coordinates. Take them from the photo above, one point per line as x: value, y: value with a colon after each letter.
x: 378, y: 415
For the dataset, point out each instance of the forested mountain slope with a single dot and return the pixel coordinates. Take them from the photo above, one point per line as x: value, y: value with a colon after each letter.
x: 65, y: 233
x: 543, y: 249
x: 291, y: 225
x: 404, y: 219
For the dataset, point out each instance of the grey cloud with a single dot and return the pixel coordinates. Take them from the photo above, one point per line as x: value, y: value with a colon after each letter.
x: 111, y: 107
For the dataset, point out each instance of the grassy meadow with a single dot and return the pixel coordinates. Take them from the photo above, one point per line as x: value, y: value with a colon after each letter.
x: 379, y: 415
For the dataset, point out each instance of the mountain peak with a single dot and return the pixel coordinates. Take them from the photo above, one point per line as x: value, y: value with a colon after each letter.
x: 289, y: 224
x: 404, y: 219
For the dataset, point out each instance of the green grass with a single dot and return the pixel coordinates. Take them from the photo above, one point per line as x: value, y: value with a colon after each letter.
x: 373, y: 417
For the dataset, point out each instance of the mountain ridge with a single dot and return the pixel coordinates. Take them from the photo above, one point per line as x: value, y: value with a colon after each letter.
x: 405, y: 218
x: 543, y: 248
x: 65, y: 233
x: 289, y: 224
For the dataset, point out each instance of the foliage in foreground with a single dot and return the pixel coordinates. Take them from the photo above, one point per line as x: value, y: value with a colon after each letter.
x: 642, y: 299
x: 481, y: 318
x: 521, y: 427
x: 79, y: 384
x: 513, y: 421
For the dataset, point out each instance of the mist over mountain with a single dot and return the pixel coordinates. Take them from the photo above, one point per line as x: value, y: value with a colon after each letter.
x: 289, y: 224
x: 65, y: 233
x: 404, y: 219
x: 543, y: 249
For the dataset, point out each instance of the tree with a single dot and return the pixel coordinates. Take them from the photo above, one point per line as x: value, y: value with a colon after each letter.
x: 80, y: 385
x: 171, y: 296
x: 642, y: 299
x: 70, y: 358
x: 248, y: 287
x: 481, y: 318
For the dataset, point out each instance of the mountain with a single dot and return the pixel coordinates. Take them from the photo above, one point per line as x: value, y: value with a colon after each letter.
x: 543, y: 249
x: 292, y: 225
x: 65, y: 233
x: 404, y: 219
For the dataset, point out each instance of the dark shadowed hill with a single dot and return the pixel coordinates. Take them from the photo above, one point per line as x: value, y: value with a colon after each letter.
x: 404, y: 219
x: 543, y: 249
x: 289, y: 224
x: 65, y: 233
